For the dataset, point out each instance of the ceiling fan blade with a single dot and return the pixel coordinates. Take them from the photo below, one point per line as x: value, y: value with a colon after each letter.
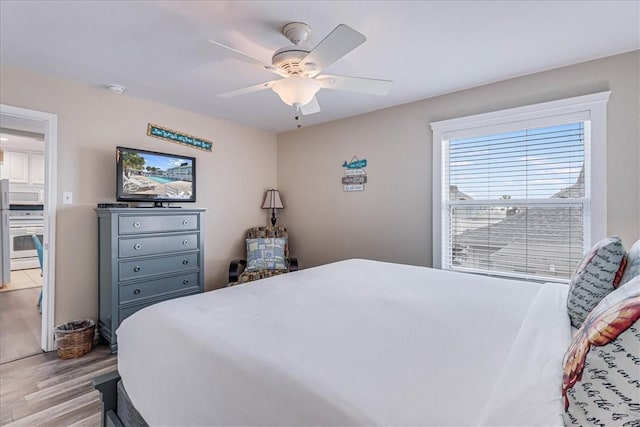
x: 355, y: 84
x: 342, y: 40
x: 311, y: 107
x: 245, y: 90
x: 208, y: 44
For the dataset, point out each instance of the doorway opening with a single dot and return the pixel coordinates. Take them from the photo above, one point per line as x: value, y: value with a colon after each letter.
x: 28, y: 153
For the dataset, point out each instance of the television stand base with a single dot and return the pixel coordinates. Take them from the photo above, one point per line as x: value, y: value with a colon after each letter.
x: 162, y: 205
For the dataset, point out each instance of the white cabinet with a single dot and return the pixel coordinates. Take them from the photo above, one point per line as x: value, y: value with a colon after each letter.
x: 36, y: 168
x: 23, y: 168
x: 15, y: 167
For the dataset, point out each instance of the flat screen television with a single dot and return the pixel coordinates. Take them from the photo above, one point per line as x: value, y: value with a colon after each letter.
x: 149, y: 176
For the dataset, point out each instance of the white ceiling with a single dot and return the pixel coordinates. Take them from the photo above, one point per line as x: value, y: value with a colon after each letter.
x: 427, y: 48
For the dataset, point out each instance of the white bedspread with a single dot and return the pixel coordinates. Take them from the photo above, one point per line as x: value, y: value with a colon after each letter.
x: 355, y: 342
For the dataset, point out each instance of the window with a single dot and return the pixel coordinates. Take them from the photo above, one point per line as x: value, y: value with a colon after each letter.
x: 521, y: 192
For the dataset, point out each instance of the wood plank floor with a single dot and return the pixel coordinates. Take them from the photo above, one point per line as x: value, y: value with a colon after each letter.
x: 44, y: 390
x: 20, y: 324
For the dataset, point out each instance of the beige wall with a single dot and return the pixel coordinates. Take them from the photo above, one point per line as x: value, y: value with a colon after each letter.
x: 391, y: 219
x: 92, y: 121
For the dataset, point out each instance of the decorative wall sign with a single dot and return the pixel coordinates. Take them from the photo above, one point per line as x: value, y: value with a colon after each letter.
x: 354, y: 187
x: 362, y: 179
x: 179, y: 138
x: 354, y: 174
x: 355, y: 163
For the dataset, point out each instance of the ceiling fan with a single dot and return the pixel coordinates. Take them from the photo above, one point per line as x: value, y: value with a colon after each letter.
x: 300, y: 67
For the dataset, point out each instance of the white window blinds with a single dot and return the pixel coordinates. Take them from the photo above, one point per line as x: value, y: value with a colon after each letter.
x: 516, y: 203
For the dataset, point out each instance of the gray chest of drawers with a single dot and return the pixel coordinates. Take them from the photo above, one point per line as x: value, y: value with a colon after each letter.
x: 146, y: 256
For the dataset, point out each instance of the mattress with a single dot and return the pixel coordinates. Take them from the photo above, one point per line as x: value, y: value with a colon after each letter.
x: 355, y: 342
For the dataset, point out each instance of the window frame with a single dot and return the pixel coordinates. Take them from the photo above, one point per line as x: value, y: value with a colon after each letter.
x: 591, y: 108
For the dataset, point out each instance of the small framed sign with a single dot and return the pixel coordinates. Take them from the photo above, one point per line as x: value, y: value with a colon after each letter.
x: 178, y: 137
x: 354, y: 187
x: 358, y: 179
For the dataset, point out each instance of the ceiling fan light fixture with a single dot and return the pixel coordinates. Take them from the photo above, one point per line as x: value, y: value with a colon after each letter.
x: 301, y: 67
x: 296, y: 91
x: 310, y: 66
x: 297, y: 32
x: 326, y: 82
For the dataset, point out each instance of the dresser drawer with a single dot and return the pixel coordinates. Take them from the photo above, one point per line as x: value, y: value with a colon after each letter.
x: 123, y: 313
x: 167, y: 286
x: 140, y: 268
x: 139, y: 246
x: 126, y: 312
x: 134, y: 224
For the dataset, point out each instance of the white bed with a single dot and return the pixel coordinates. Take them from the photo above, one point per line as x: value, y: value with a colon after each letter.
x: 355, y: 342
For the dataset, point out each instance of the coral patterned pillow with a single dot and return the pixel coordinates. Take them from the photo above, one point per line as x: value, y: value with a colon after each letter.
x: 633, y: 264
x: 598, y: 273
x: 601, y: 377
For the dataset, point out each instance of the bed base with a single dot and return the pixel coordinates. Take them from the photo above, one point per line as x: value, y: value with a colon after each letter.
x: 117, y: 408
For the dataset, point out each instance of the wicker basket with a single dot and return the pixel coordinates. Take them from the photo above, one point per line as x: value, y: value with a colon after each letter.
x: 75, y: 338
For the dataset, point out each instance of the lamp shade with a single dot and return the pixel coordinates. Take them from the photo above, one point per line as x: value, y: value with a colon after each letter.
x: 296, y: 91
x: 272, y: 200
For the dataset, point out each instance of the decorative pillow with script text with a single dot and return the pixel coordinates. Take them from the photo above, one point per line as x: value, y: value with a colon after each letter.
x: 633, y: 264
x: 601, y: 377
x: 598, y: 273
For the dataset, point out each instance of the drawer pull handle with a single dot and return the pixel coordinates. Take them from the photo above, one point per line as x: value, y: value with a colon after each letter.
x: 136, y: 291
x: 136, y: 224
x: 136, y: 268
x: 185, y: 222
x: 137, y: 246
x: 185, y: 261
x: 185, y: 282
x: 185, y: 242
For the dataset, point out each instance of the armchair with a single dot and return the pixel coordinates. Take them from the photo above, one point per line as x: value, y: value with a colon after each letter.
x: 252, y: 268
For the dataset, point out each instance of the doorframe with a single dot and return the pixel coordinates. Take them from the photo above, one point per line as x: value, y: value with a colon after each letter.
x: 50, y: 122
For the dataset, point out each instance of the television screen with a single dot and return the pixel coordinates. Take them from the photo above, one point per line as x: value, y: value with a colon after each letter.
x: 148, y: 176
